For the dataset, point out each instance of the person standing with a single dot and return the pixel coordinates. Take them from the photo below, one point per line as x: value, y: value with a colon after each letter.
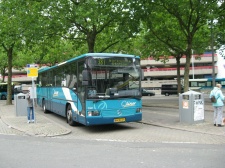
x: 218, y: 105
x: 30, y: 107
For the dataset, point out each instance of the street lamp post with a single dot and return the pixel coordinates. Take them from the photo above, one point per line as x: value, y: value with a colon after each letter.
x: 193, y: 68
x: 212, y: 48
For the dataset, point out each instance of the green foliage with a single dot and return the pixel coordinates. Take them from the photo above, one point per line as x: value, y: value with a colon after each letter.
x: 220, y: 33
x: 178, y: 27
x: 17, y: 19
x: 46, y: 32
x: 99, y: 25
x: 3, y: 64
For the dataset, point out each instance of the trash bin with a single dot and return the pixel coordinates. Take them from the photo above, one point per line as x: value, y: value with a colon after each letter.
x: 191, y: 107
x: 20, y: 104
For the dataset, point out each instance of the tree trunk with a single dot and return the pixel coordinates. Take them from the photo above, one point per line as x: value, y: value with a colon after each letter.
x: 186, y: 72
x: 178, y: 75
x: 91, y: 37
x: 3, y: 73
x: 9, y: 86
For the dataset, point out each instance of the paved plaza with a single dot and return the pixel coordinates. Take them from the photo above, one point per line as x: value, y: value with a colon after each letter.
x: 11, y: 124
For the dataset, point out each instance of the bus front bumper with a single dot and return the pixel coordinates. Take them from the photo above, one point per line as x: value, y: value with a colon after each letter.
x: 99, y: 120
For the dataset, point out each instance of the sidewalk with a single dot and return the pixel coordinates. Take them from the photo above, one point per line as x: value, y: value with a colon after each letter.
x: 165, y: 118
x: 172, y: 119
x: 43, y: 126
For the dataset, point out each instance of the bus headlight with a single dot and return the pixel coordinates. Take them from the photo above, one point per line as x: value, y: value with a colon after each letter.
x: 138, y: 110
x: 93, y: 113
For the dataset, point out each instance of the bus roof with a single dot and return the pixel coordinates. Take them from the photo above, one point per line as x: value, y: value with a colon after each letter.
x: 87, y: 55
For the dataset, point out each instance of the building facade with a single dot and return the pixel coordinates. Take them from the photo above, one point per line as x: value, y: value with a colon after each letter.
x: 157, y: 73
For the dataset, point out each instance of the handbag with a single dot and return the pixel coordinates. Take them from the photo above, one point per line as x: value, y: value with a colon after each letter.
x: 213, y: 98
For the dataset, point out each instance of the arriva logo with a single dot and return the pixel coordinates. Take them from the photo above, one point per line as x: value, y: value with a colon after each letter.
x: 127, y: 104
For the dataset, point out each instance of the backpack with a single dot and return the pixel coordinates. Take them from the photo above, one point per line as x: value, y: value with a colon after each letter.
x: 213, y: 99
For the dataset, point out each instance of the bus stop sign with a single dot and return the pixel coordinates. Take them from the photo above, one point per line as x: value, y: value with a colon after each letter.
x: 32, y: 72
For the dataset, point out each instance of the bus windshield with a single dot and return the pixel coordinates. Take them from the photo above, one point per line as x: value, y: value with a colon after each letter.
x: 113, y: 77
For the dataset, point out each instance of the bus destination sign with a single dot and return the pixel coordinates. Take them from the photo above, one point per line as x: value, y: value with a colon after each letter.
x: 115, y: 61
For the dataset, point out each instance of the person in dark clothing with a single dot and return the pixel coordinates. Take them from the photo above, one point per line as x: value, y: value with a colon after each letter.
x: 30, y: 107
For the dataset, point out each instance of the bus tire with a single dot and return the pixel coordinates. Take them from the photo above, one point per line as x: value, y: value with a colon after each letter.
x: 69, y: 116
x: 3, y: 97
x: 167, y: 94
x: 44, y: 107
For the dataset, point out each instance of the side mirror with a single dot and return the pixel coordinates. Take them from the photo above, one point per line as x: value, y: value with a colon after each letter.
x: 85, y: 83
x: 142, y: 74
x: 86, y: 75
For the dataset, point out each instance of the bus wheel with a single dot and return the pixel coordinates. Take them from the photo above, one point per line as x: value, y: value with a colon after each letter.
x: 167, y: 94
x: 3, y: 97
x: 44, y: 106
x: 69, y: 116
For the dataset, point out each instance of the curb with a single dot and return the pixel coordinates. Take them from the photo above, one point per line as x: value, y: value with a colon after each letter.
x: 181, y: 129
x: 43, y: 127
x: 37, y: 129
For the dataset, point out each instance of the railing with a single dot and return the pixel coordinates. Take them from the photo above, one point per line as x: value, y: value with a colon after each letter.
x: 174, y: 69
x: 172, y: 57
x: 16, y: 76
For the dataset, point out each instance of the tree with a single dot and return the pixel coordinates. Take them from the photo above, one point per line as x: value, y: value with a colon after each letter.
x: 49, y: 52
x: 3, y: 65
x: 219, y: 32
x: 99, y: 24
x: 17, y: 26
x: 180, y: 26
x: 221, y: 23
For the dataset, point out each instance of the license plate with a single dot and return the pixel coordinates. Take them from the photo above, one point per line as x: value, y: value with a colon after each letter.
x: 119, y: 120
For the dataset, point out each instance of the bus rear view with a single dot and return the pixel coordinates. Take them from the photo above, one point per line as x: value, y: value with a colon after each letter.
x: 93, y: 89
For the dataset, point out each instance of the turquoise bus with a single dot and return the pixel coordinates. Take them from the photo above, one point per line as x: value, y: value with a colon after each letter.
x: 205, y: 84
x: 93, y: 89
x: 3, y: 91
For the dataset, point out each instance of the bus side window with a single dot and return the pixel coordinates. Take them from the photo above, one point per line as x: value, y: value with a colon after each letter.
x: 43, y: 79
